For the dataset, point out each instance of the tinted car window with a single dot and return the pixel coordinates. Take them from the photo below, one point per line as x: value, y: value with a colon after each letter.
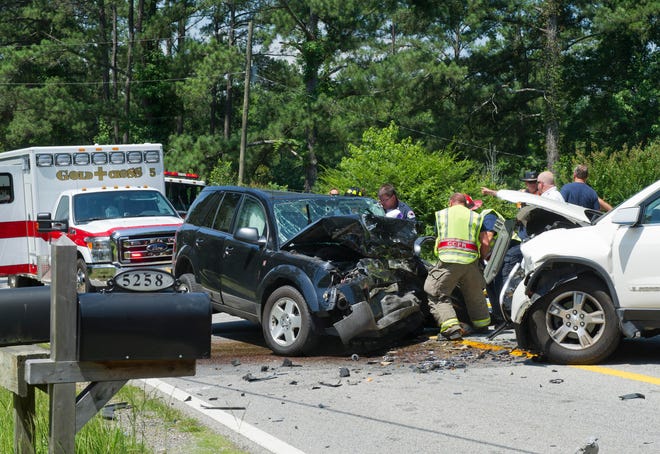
x: 226, y: 212
x: 62, y: 212
x: 201, y: 214
x: 252, y: 215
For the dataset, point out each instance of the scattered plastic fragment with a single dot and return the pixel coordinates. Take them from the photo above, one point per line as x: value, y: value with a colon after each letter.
x: 210, y: 407
x: 344, y: 372
x: 557, y: 381
x: 591, y: 447
x: 331, y: 385
x: 632, y: 396
x: 235, y: 362
x: 250, y: 378
x: 287, y: 363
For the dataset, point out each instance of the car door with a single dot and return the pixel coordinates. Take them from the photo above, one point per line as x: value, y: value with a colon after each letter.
x: 243, y: 261
x: 635, y: 253
x: 209, y: 240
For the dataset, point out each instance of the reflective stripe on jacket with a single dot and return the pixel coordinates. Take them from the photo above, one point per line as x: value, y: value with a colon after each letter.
x: 458, y: 234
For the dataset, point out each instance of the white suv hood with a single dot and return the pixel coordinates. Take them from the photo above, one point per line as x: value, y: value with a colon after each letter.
x: 575, y: 213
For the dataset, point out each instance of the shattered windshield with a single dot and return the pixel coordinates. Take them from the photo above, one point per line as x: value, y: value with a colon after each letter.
x: 291, y: 216
x: 94, y: 206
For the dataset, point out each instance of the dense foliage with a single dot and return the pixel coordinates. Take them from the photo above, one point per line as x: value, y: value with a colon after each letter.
x: 496, y: 86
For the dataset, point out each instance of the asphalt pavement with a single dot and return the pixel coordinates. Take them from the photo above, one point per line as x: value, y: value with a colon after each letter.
x: 483, y: 399
x: 386, y: 405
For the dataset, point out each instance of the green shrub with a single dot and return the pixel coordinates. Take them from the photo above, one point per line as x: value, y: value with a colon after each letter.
x: 424, y: 180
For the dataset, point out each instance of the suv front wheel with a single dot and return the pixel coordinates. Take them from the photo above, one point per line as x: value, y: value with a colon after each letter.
x: 575, y: 324
x: 288, y: 326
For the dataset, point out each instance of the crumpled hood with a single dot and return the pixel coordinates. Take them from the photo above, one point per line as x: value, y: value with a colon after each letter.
x: 368, y: 235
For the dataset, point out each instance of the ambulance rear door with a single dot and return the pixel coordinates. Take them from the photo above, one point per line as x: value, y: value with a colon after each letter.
x: 15, y: 224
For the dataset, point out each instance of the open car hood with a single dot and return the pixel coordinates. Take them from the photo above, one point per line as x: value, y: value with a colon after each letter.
x: 366, y: 235
x: 571, y: 213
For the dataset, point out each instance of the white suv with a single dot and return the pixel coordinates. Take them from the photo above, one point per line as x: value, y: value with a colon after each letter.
x: 579, y: 290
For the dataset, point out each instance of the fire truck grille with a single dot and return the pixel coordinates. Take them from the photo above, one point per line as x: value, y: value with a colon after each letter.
x: 143, y: 250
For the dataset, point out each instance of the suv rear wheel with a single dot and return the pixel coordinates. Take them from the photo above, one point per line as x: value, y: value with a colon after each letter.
x: 575, y: 324
x: 288, y: 326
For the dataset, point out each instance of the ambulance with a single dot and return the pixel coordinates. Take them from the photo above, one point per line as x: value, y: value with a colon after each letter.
x: 109, y: 200
x: 181, y: 188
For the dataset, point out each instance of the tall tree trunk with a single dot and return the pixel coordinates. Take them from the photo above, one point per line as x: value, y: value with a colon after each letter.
x: 129, y: 71
x: 552, y: 82
x: 115, y: 75
x: 228, y: 111
x: 311, y: 85
x: 104, y: 53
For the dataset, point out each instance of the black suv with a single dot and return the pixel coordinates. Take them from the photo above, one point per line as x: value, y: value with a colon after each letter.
x: 303, y: 265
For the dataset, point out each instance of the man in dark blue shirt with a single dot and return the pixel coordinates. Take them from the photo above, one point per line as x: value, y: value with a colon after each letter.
x: 579, y: 192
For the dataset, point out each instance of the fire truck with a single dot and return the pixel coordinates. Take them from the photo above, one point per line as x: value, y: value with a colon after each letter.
x: 181, y: 188
x: 109, y: 200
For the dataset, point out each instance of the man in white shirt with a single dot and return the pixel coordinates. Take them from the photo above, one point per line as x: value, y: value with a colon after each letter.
x: 547, y: 188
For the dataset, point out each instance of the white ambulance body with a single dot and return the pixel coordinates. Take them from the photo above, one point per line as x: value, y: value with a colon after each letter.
x: 108, y: 199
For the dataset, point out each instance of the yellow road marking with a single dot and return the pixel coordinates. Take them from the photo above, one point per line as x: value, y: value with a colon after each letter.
x: 621, y: 374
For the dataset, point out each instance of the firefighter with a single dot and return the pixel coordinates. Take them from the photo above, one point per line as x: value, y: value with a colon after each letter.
x: 394, y: 208
x: 457, y: 247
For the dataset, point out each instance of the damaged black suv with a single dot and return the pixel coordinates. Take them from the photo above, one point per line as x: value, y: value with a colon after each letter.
x: 303, y: 265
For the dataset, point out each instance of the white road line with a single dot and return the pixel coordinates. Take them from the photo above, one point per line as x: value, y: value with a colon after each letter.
x: 272, y: 444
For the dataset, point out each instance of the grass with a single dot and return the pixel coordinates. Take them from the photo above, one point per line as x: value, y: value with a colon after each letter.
x: 146, y: 418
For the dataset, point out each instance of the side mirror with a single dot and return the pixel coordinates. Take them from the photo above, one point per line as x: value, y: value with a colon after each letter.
x: 249, y: 235
x: 626, y: 216
x: 44, y: 222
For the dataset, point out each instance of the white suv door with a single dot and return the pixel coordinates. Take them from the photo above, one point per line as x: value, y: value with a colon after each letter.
x: 635, y: 253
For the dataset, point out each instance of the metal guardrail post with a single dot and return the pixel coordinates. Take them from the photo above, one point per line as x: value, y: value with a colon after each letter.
x: 63, y: 332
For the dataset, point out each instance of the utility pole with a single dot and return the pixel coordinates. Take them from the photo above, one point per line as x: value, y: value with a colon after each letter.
x: 246, y: 97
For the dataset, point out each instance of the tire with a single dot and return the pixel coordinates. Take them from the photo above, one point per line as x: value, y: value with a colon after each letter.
x: 22, y: 281
x: 188, y: 284
x: 575, y: 324
x: 82, y: 278
x: 287, y: 324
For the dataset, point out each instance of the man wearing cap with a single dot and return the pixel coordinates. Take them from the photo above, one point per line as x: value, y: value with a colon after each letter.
x: 457, y: 247
x: 531, y: 184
